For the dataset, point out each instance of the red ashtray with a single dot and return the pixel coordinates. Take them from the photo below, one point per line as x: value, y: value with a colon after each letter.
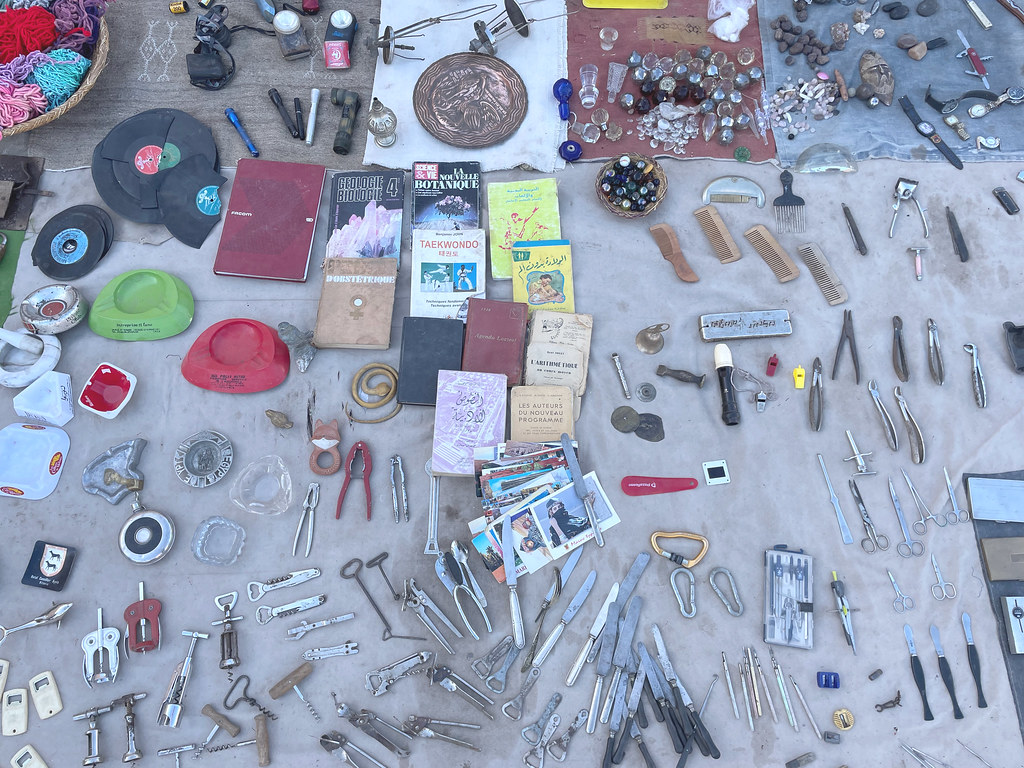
x: 237, y: 355
x: 108, y: 390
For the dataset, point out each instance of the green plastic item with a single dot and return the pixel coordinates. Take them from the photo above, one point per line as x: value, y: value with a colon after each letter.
x: 142, y: 305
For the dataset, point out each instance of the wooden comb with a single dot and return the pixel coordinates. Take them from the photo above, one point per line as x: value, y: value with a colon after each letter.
x: 781, y: 264
x: 724, y: 246
x: 826, y: 278
x: 668, y: 244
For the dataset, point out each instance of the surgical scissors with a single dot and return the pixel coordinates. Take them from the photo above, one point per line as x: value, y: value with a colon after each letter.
x: 962, y: 515
x: 903, y: 602
x: 942, y: 593
x: 921, y: 526
x: 873, y: 540
x: 908, y: 547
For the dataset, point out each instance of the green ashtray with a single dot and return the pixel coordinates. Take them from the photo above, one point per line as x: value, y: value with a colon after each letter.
x: 142, y: 305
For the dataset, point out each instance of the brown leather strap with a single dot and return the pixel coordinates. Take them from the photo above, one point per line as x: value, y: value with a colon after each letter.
x: 668, y: 243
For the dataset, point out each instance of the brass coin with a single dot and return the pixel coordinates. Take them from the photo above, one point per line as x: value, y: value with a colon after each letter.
x: 625, y: 419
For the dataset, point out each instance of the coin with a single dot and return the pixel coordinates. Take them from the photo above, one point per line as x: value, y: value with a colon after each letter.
x: 625, y: 419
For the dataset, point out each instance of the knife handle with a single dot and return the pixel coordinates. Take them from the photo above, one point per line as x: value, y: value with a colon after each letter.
x: 972, y: 657
x: 687, y: 749
x: 659, y: 715
x: 595, y: 703
x: 518, y: 630
x: 581, y: 659
x: 609, y: 749
x: 641, y: 485
x: 648, y: 760
x: 606, y: 709
x: 592, y: 515
x: 620, y: 748
x: 675, y: 731
x: 918, y: 670
x: 548, y: 644
x: 947, y: 678
x: 641, y: 713
x: 704, y: 735
x: 1013, y: 8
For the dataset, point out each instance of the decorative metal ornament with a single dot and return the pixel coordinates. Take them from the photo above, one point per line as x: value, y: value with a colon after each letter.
x: 470, y: 101
x: 387, y: 44
x: 203, y: 458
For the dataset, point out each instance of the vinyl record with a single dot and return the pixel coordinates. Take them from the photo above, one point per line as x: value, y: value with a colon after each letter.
x: 190, y: 200
x: 70, y: 244
x: 114, y: 195
x: 102, y: 216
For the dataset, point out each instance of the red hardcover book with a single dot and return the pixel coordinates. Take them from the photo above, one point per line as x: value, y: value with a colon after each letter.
x: 495, y: 338
x: 271, y: 219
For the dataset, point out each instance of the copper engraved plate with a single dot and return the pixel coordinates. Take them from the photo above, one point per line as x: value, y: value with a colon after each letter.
x: 470, y: 100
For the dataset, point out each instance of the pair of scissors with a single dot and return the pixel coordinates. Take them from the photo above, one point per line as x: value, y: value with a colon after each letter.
x: 961, y: 514
x: 943, y: 590
x: 921, y: 526
x: 903, y: 602
x: 908, y: 547
x: 874, y: 540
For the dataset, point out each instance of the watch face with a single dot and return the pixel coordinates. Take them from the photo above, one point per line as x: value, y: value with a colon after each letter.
x: 978, y: 110
x: 1015, y: 95
x: 925, y: 127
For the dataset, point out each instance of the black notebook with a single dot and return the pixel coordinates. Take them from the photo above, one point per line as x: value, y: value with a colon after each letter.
x: 429, y: 344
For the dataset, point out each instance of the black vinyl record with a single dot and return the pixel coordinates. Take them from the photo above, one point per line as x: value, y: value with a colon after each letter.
x: 190, y: 200
x: 113, y: 194
x: 71, y: 243
x: 103, y: 217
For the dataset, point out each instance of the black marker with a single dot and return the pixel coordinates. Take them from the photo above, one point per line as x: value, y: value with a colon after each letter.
x: 300, y: 121
x: 288, y: 124
x: 723, y: 364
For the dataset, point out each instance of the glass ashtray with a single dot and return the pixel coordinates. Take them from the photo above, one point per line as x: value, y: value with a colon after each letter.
x: 218, y: 541
x: 264, y: 487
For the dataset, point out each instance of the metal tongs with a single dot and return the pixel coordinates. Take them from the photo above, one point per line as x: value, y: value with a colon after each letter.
x: 52, y: 615
x: 452, y: 574
x: 420, y: 726
x: 905, y: 189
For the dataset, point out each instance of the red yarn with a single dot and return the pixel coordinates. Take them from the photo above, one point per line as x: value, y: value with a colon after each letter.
x: 23, y: 30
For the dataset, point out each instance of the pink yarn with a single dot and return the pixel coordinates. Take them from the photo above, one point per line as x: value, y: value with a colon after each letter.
x: 19, y: 103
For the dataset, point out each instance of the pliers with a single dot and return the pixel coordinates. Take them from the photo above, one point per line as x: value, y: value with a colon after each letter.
x: 364, y: 451
x: 450, y: 572
x: 844, y: 336
x: 816, y: 405
x: 308, y: 513
x: 419, y: 602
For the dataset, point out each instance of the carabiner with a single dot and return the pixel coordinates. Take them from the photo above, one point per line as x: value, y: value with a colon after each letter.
x: 679, y: 559
x: 738, y: 610
x: 693, y: 593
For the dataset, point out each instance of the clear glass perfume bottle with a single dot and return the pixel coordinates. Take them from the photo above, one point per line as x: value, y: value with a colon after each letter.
x: 382, y: 124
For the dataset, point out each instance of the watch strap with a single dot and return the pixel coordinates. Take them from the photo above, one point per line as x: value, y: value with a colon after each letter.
x: 948, y: 153
x: 949, y: 105
x: 908, y: 107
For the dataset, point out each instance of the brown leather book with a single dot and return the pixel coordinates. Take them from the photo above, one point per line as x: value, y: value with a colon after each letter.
x: 495, y: 337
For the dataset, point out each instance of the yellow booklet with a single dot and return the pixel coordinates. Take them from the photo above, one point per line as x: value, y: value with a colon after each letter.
x: 542, y: 275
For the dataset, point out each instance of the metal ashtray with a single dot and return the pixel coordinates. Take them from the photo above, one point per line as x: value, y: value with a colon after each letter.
x: 53, y: 309
x: 203, y: 458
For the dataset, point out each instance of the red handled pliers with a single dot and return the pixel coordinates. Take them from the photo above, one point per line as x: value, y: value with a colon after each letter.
x: 363, y: 450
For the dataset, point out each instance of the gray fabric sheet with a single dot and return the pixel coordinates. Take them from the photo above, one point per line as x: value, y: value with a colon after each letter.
x: 886, y: 131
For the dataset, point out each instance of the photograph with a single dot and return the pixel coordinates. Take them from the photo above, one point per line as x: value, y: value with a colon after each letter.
x: 562, y: 517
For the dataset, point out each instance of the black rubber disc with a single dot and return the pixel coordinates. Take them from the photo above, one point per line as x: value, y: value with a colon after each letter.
x: 71, y: 243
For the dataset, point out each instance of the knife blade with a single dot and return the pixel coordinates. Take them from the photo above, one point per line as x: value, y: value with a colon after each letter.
x: 577, y: 602
x: 557, y: 584
x: 509, y: 557
x: 595, y: 630
x: 580, y: 487
x: 604, y: 662
x: 945, y: 672
x: 623, y: 646
x: 918, y: 670
x: 854, y: 231
x: 972, y: 657
x: 627, y: 586
x: 616, y: 721
x: 668, y: 711
x: 631, y: 710
x: 959, y: 244
x: 686, y: 725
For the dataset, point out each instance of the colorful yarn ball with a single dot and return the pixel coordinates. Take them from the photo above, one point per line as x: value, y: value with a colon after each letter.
x: 24, y: 3
x: 19, y: 103
x: 20, y: 67
x: 60, y: 79
x: 23, y: 30
x: 78, y: 21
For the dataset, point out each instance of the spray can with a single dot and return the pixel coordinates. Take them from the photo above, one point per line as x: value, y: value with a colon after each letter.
x: 341, y: 29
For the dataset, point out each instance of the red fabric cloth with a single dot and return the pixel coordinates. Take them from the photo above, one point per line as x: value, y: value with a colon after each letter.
x: 585, y: 48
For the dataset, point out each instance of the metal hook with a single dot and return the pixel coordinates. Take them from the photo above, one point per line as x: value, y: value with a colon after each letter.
x: 679, y: 559
x: 738, y: 610
x: 692, y: 611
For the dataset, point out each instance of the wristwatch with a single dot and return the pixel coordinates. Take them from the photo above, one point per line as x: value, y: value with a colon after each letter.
x: 1013, y: 95
x: 927, y: 130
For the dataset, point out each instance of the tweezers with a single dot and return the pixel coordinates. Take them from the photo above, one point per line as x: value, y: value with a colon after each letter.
x: 914, y: 434
x: 816, y: 405
x: 899, y: 351
x: 844, y: 336
x: 883, y: 414
x: 935, y: 353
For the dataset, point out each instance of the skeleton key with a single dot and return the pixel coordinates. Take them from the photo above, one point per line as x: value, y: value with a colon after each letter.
x: 496, y: 682
x: 259, y: 588
x: 264, y: 613
x: 435, y: 500
x: 538, y: 727
x: 538, y: 751
x: 484, y: 666
x: 514, y: 709
x: 561, y: 744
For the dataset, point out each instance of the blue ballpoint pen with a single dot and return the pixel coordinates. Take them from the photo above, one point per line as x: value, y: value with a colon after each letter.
x: 241, y: 131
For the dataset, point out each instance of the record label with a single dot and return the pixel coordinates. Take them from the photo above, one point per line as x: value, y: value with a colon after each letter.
x: 170, y: 156
x: 147, y: 159
x: 69, y: 246
x: 208, y: 201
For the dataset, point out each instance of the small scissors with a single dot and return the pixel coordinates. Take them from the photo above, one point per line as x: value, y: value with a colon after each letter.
x: 902, y: 603
x: 939, y: 591
x: 961, y: 514
x: 874, y: 540
x: 908, y: 547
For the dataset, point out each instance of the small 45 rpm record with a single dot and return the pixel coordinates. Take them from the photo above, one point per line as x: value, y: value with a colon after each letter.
x: 190, y: 199
x: 71, y: 243
x: 625, y: 419
x: 146, y: 536
x: 650, y: 428
x: 203, y: 458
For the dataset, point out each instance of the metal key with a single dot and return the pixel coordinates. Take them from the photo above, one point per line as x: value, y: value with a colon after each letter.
x: 485, y: 665
x: 559, y: 748
x: 258, y: 589
x: 498, y: 678
x: 540, y: 749
x: 264, y: 614
x: 514, y: 709
x: 542, y: 721
x: 435, y: 500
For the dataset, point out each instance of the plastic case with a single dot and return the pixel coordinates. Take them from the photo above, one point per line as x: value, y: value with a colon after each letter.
x: 788, y: 598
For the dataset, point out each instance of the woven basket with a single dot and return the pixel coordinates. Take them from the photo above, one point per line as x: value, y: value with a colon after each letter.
x: 99, y: 61
x: 659, y: 173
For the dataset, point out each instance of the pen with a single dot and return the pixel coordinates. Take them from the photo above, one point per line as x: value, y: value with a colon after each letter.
x: 314, y: 98
x: 241, y: 131
x: 288, y: 124
x: 299, y: 121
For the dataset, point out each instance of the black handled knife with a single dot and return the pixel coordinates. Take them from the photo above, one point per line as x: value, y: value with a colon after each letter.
x: 946, y: 672
x: 972, y: 657
x: 959, y: 244
x: 918, y: 670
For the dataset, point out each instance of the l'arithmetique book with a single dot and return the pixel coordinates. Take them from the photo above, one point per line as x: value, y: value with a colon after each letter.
x: 571, y: 329
x: 520, y: 210
x: 365, y: 216
x: 470, y: 413
x: 542, y: 274
x: 446, y: 196
x: 447, y: 270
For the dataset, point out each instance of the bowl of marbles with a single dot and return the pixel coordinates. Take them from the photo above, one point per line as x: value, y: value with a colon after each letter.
x: 631, y: 185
